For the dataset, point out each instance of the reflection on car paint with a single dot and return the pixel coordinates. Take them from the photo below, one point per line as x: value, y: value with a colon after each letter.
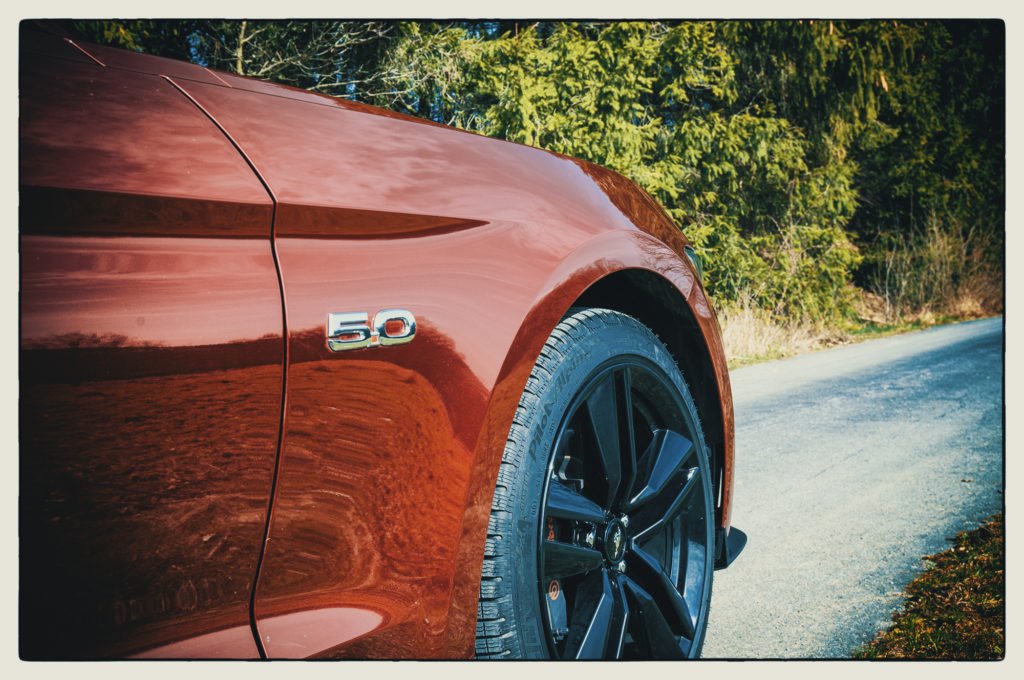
x: 153, y: 357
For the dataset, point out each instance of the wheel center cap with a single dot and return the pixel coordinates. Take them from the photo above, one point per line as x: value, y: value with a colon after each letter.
x: 614, y: 541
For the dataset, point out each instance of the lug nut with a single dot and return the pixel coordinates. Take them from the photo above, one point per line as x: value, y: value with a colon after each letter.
x: 622, y: 566
x: 625, y: 521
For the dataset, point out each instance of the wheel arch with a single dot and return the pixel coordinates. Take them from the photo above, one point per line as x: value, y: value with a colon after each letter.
x: 632, y: 272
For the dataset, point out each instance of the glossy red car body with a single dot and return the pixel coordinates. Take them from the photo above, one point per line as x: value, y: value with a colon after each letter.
x: 200, y: 476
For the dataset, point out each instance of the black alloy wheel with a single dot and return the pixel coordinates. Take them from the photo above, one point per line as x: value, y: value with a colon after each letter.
x: 623, y: 536
x: 624, y: 530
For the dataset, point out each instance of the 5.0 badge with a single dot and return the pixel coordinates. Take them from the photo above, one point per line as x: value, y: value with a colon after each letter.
x: 352, y: 330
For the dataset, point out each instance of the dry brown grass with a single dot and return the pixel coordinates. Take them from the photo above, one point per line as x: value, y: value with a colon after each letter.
x: 941, y: 270
x: 751, y: 335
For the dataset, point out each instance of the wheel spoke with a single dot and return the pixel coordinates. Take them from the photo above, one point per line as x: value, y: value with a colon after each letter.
x: 565, y: 503
x: 620, y: 620
x: 627, y: 434
x: 592, y: 618
x: 565, y: 559
x: 603, y: 412
x: 649, y: 627
x: 664, y: 457
x: 652, y: 576
x: 654, y: 516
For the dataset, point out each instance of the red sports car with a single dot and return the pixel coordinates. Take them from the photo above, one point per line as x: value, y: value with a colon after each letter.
x: 302, y: 377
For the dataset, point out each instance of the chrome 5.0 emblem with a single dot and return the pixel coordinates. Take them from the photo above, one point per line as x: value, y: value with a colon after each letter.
x: 353, y: 330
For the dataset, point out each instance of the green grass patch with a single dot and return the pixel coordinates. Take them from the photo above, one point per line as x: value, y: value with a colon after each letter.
x: 750, y: 359
x: 954, y: 610
x: 869, y: 330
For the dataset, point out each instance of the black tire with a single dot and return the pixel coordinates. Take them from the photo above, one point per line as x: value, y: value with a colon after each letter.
x: 600, y: 539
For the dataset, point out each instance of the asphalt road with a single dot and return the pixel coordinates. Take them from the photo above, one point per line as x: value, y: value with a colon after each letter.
x: 851, y: 465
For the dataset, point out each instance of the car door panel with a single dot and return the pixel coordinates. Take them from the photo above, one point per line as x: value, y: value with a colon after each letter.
x: 151, y: 370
